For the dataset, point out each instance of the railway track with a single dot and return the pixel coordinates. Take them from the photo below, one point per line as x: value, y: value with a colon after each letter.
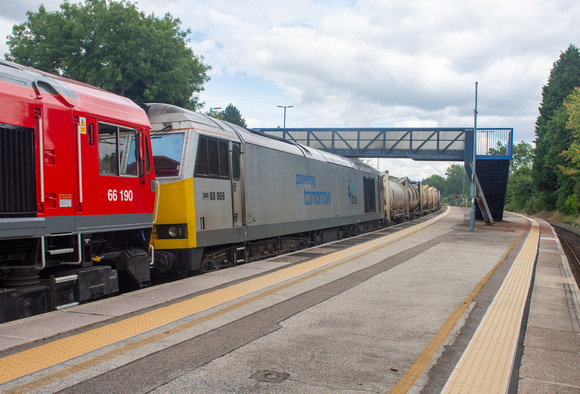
x: 570, y: 241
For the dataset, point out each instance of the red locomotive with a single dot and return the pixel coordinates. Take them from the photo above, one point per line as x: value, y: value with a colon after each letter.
x: 77, y: 192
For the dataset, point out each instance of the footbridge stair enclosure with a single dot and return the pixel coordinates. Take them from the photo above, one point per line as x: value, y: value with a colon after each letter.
x: 493, y: 152
x: 493, y: 176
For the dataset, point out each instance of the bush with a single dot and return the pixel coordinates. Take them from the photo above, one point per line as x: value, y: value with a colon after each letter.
x: 534, y: 205
x: 571, y: 205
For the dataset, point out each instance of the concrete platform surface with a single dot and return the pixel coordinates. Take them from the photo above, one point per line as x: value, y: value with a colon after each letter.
x: 395, y: 313
x: 551, y: 355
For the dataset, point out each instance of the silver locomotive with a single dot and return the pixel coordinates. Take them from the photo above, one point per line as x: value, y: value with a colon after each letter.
x: 228, y: 195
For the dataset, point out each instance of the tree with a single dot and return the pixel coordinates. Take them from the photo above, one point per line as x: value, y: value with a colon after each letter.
x: 451, y: 185
x: 552, y: 138
x: 523, y: 156
x: 571, y: 168
x: 216, y: 114
x: 572, y: 155
x: 500, y: 149
x: 520, y: 188
x: 112, y: 45
x: 520, y: 191
x: 233, y: 115
x: 559, y: 139
x: 454, y: 180
x: 436, y: 181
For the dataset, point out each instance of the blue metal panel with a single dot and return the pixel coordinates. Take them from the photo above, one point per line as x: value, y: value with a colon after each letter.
x: 468, y: 153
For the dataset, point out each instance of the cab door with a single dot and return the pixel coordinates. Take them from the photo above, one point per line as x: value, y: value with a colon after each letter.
x: 57, y: 169
x: 238, y: 200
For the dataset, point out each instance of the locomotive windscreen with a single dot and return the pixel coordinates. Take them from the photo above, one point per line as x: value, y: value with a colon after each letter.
x: 167, y: 150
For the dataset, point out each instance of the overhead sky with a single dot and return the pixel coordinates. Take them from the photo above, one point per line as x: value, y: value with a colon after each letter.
x: 370, y: 63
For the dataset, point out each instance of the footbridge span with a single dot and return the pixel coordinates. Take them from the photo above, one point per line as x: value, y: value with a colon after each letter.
x: 493, y: 152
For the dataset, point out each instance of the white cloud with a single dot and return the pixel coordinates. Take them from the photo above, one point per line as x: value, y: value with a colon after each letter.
x: 371, y: 62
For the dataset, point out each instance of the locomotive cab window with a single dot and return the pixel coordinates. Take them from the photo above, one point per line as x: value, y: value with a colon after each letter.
x: 212, y: 158
x: 118, y: 150
x: 167, y: 150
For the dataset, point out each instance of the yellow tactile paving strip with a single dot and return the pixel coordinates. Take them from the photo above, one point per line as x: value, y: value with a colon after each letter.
x: 36, y: 359
x: 487, y: 362
x: 413, y: 373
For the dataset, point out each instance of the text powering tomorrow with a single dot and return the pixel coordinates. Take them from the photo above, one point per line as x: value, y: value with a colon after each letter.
x: 311, y: 196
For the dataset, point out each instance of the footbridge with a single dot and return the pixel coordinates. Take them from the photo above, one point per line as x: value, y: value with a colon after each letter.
x: 493, y: 152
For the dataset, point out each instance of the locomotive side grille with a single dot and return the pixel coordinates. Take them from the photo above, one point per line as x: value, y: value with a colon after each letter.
x: 17, y: 172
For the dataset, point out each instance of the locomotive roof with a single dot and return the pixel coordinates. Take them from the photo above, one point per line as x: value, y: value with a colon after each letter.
x: 167, y: 113
x: 83, y: 97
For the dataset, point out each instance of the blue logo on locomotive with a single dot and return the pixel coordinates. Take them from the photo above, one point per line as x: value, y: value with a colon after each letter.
x: 350, y: 190
x: 312, y: 197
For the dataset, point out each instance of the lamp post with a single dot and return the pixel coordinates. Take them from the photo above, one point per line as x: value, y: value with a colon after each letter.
x: 473, y: 191
x: 212, y: 108
x: 285, y: 106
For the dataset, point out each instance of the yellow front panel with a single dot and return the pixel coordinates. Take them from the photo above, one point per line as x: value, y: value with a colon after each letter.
x: 176, y: 206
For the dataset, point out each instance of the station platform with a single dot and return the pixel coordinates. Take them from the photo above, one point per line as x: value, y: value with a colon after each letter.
x: 425, y: 306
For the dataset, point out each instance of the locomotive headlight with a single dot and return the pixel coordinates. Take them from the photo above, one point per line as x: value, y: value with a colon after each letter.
x: 172, y: 231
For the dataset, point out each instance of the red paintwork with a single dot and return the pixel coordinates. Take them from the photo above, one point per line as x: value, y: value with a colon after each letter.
x: 18, y: 104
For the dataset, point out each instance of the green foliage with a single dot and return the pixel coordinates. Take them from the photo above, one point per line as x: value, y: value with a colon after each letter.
x: 230, y: 114
x: 520, y: 189
x: 552, y: 137
x: 523, y: 156
x: 571, y: 206
x: 215, y: 114
x: 572, y: 155
x: 500, y: 149
x: 534, y: 205
x: 436, y: 181
x: 112, y: 45
x: 455, y: 180
x: 452, y: 184
x: 233, y: 115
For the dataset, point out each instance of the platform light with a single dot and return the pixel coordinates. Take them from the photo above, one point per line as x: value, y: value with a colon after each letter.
x: 212, y: 108
x: 285, y: 106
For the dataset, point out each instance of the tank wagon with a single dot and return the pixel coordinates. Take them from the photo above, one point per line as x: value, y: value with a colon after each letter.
x: 404, y: 200
x: 77, y: 192
x: 229, y: 195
